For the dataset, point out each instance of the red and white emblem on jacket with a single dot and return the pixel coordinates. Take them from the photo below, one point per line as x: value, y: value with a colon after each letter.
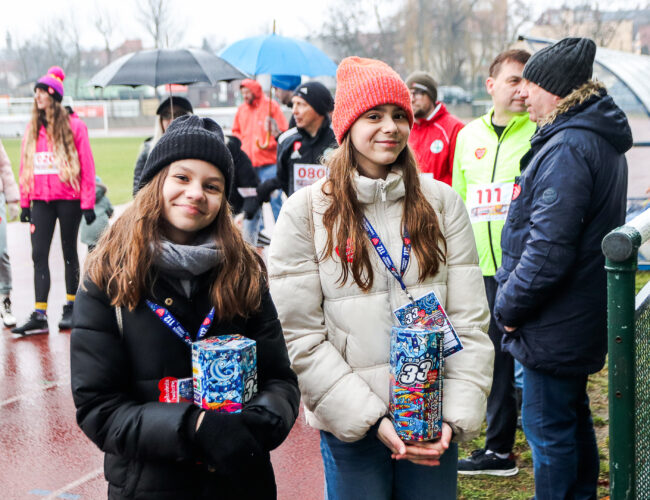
x: 480, y: 153
x: 516, y: 190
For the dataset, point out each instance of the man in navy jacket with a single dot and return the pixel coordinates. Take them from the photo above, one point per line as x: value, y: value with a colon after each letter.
x: 551, y: 300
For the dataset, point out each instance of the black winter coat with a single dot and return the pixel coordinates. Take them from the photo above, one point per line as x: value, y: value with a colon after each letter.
x: 297, y: 146
x: 245, y: 177
x: 151, y: 448
x: 140, y: 162
x: 552, y: 277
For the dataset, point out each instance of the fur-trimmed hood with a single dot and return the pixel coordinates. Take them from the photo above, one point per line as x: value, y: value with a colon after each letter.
x: 589, y: 107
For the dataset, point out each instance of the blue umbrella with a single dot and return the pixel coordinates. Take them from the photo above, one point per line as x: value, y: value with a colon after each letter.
x: 278, y: 55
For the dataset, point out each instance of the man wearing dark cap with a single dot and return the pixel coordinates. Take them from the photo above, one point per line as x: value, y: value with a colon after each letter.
x: 551, y: 298
x: 433, y: 137
x: 301, y: 149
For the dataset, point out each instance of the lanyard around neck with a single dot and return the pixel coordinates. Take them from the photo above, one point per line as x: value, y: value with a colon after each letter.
x: 385, y: 257
x: 175, y: 326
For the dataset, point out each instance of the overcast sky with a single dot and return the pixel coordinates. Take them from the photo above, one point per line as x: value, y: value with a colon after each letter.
x: 221, y: 21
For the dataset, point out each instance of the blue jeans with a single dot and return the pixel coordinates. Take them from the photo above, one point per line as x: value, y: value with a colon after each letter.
x: 364, y: 470
x: 558, y: 425
x: 519, y: 375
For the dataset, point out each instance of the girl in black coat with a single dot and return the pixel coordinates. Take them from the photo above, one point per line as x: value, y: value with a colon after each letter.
x: 177, y: 247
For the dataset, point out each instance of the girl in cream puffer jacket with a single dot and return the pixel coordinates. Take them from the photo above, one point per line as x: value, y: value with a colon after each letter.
x: 338, y: 330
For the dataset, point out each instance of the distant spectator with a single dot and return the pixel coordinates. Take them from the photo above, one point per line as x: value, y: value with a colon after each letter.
x: 307, y: 144
x: 90, y: 233
x: 252, y: 126
x: 164, y: 112
x: 57, y: 182
x: 9, y: 195
x: 433, y: 137
x: 284, y: 86
x: 243, y: 198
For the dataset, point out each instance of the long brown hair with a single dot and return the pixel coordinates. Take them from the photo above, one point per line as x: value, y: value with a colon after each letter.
x: 56, y: 120
x: 124, y: 256
x: 343, y: 219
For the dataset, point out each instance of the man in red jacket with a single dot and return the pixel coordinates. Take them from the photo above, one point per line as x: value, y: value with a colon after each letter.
x: 252, y: 126
x: 433, y: 137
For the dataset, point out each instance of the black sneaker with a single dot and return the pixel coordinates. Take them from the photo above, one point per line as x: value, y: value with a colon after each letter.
x: 66, y: 318
x: 481, y: 462
x: 37, y: 323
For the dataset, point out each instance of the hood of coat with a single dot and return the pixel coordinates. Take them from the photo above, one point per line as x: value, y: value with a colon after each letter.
x: 254, y: 87
x: 375, y: 190
x: 589, y: 107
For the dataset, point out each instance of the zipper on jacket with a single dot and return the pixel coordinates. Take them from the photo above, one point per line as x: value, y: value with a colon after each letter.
x: 489, y: 223
x: 494, y: 172
x: 382, y: 187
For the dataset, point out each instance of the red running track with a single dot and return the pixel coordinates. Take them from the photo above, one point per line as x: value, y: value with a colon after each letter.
x: 43, y: 452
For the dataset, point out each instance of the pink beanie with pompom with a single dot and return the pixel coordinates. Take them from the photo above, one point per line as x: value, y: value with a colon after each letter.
x: 52, y: 83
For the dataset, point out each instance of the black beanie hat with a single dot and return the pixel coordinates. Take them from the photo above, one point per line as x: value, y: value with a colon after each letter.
x: 317, y: 96
x: 190, y: 137
x: 179, y: 101
x: 563, y: 66
x: 424, y: 82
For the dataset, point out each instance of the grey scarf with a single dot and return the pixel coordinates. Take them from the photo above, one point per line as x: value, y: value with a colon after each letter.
x: 185, y: 262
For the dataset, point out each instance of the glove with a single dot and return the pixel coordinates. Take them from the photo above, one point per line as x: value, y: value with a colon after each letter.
x: 265, y: 189
x: 25, y: 215
x: 250, y: 207
x: 89, y: 215
x: 227, y: 444
x: 13, y: 209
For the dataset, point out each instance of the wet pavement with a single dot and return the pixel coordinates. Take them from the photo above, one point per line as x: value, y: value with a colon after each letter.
x: 43, y: 452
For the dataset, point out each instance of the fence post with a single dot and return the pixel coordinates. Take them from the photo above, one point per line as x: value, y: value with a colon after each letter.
x: 620, y: 248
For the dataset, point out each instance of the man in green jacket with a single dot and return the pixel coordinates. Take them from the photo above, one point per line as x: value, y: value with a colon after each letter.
x: 486, y: 165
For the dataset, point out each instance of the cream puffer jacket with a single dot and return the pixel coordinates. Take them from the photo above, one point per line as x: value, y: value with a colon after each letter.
x: 338, y: 336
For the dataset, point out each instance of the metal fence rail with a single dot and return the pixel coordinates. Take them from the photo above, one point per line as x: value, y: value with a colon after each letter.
x: 628, y: 325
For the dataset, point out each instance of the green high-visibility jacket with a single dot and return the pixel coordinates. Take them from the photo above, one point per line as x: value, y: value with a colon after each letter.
x: 483, y: 158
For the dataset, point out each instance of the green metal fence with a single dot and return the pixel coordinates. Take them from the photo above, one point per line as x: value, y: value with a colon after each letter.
x: 628, y: 325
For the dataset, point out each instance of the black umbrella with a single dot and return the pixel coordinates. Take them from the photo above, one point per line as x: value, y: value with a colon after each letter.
x: 166, y: 66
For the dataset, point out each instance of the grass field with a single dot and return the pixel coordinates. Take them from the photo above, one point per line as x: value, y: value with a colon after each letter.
x: 114, y: 163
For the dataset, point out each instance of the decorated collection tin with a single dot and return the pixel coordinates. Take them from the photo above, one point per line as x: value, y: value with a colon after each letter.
x: 416, y: 362
x: 224, y: 372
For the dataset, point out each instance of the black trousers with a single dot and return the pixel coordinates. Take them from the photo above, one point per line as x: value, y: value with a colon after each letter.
x: 44, y: 217
x: 502, y: 402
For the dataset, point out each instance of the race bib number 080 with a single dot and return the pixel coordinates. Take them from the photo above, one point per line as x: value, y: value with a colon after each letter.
x: 488, y: 202
x: 305, y: 174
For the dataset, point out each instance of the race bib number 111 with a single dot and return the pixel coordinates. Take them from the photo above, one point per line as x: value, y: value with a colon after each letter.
x: 488, y: 202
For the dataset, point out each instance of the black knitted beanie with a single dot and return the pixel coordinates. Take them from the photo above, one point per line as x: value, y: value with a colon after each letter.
x: 562, y: 67
x: 317, y: 96
x: 190, y: 137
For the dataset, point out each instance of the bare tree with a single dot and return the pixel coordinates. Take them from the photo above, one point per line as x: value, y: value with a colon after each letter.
x: 158, y: 19
x: 362, y: 31
x: 61, y: 38
x: 105, y: 26
x: 587, y: 19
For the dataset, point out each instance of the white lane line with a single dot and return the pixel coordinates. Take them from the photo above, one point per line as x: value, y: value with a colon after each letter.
x: 74, y: 484
x: 30, y: 394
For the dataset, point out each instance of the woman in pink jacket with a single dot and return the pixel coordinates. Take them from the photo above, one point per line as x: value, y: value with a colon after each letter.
x: 57, y: 181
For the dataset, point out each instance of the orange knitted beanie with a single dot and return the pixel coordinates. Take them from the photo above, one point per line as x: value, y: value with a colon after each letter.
x: 362, y: 84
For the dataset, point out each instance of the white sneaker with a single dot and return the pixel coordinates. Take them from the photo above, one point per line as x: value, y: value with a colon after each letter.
x: 8, y: 319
